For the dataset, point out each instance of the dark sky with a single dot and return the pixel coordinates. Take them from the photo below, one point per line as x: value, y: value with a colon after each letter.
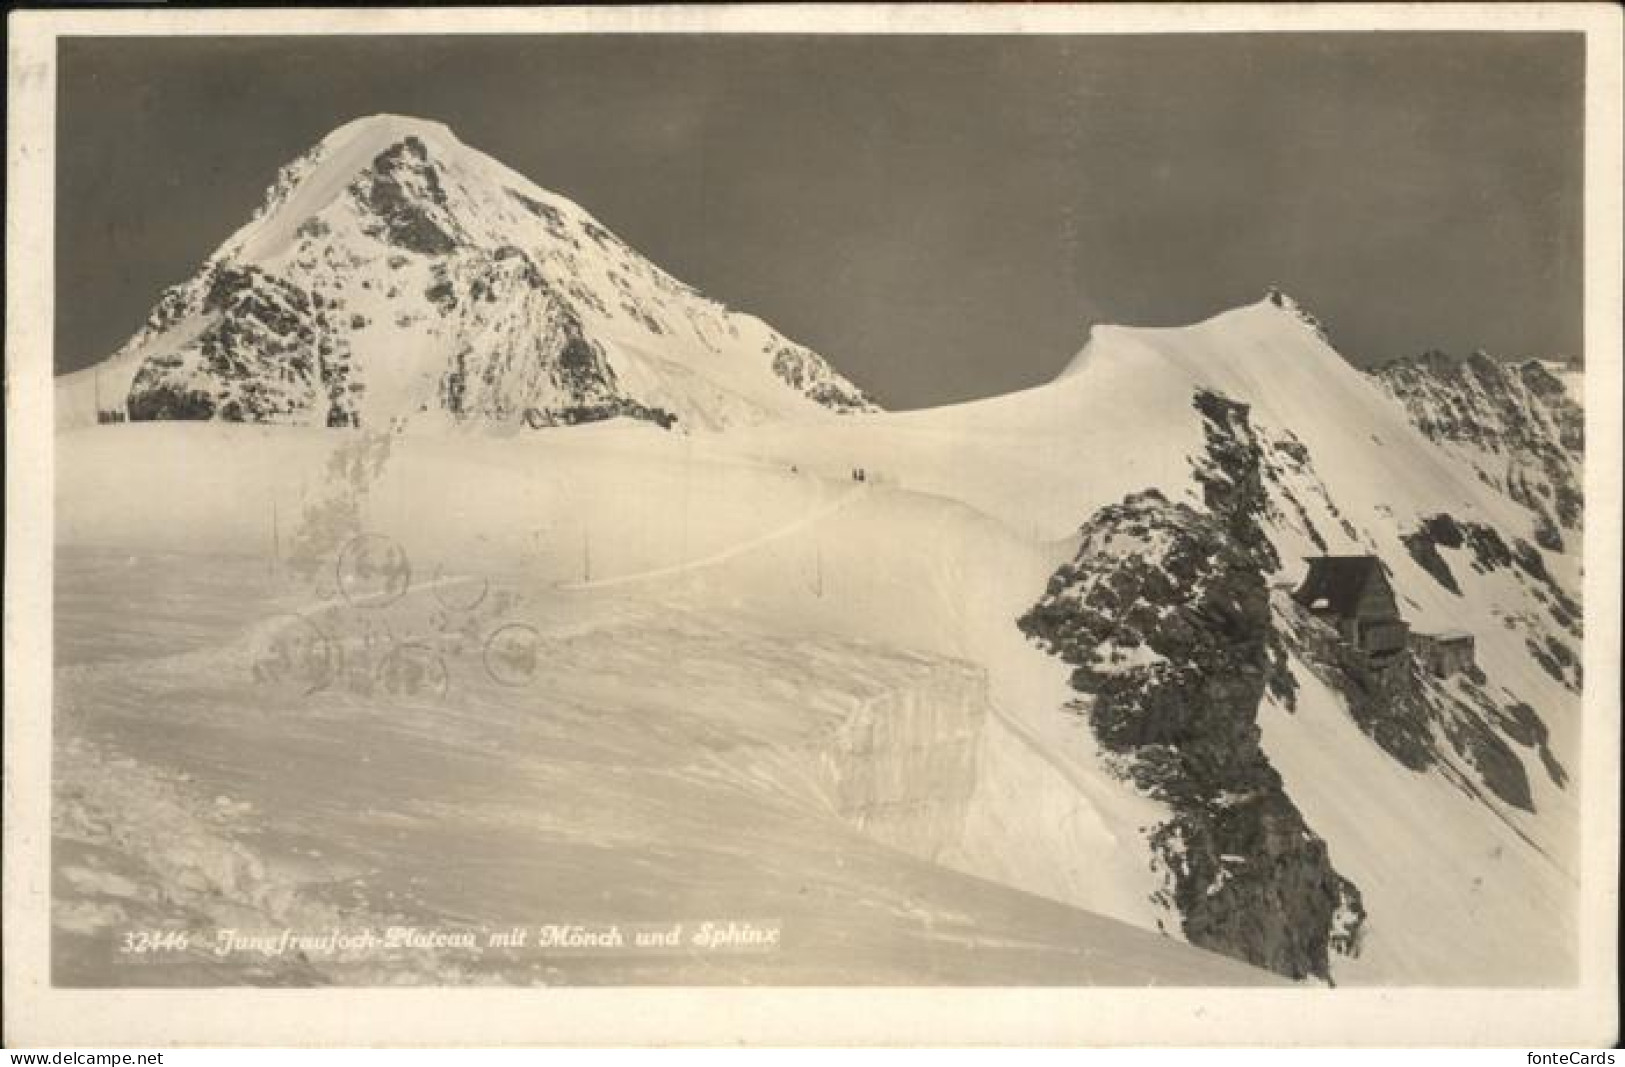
x: 941, y: 217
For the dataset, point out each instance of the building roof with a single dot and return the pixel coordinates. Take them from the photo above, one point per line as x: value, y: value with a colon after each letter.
x: 1335, y: 583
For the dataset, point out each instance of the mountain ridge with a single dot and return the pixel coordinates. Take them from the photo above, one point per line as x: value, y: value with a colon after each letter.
x: 394, y: 275
x: 1517, y: 424
x: 1149, y: 728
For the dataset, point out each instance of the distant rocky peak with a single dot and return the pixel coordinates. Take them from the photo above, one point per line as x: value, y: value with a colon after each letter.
x: 393, y: 273
x: 1516, y: 424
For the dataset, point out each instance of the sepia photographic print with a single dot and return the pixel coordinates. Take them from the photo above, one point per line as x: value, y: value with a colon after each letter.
x: 1022, y: 525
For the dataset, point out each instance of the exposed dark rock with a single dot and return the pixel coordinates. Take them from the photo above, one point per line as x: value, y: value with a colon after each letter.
x: 404, y: 200
x: 442, y: 295
x: 1384, y: 699
x: 1294, y: 449
x: 1424, y: 543
x: 454, y: 385
x: 1287, y: 463
x: 537, y: 418
x: 1490, y: 552
x: 1517, y: 423
x: 1165, y: 617
x: 1217, y: 850
x: 255, y: 362
x: 1547, y: 535
x: 808, y: 374
x: 546, y: 212
x: 581, y: 366
x: 177, y: 302
x: 1563, y: 608
x: 1520, y: 722
x: 1556, y: 659
x: 1231, y: 475
x: 1281, y: 300
x: 1565, y: 413
x: 1283, y: 684
x: 161, y: 400
x: 1497, y: 765
x: 602, y: 237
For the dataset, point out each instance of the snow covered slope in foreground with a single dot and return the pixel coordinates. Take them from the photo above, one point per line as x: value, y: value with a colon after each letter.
x: 394, y: 275
x: 645, y: 754
x: 923, y: 671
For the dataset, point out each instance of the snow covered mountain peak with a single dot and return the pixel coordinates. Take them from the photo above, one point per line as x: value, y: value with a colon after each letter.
x: 365, y: 137
x: 1276, y: 298
x: 386, y: 128
x: 1270, y: 329
x: 394, y: 275
x: 385, y: 144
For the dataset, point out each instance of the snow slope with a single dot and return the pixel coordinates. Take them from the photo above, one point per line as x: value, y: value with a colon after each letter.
x: 441, y: 366
x: 963, y: 516
x: 660, y: 766
x: 1454, y: 897
x: 623, y: 509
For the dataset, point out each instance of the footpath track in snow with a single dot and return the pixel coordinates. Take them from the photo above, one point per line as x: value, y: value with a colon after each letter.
x: 729, y: 553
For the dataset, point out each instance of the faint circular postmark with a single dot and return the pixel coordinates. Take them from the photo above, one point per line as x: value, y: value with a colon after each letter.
x: 372, y: 571
x: 291, y: 652
x: 413, y: 669
x: 513, y: 653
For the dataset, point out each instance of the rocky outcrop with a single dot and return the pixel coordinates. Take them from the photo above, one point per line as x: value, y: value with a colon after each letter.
x: 1166, y: 622
x: 529, y: 356
x: 267, y: 354
x: 1164, y: 615
x: 1424, y: 542
x: 404, y: 201
x: 1521, y: 723
x: 1485, y: 548
x: 1424, y: 722
x: 804, y: 371
x: 576, y: 414
x: 1482, y: 550
x: 1383, y: 698
x: 1515, y: 424
x: 1231, y: 475
x: 1280, y: 299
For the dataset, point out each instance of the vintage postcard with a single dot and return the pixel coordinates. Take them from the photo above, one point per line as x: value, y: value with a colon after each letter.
x: 1061, y: 524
